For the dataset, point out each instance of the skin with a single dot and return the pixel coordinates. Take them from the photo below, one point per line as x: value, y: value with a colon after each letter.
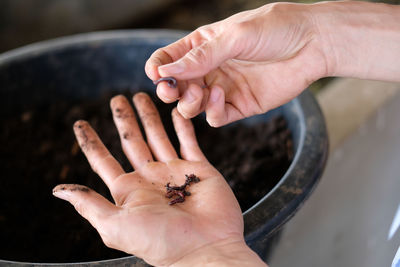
x: 238, y: 67
x: 260, y: 59
x: 140, y: 221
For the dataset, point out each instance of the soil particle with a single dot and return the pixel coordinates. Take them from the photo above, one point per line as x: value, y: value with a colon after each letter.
x: 72, y: 188
x: 126, y: 136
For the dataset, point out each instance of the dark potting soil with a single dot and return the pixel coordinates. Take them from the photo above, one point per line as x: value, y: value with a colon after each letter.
x: 39, y: 151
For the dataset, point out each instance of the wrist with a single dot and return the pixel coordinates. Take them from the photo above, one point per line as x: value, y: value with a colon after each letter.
x: 359, y: 39
x: 228, y: 252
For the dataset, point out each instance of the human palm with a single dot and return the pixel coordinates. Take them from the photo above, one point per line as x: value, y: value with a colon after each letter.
x: 141, y: 222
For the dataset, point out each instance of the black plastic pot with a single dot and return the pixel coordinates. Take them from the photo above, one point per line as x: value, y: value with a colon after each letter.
x: 85, y: 66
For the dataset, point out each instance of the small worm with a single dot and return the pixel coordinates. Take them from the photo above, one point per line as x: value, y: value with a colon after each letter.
x: 170, y: 80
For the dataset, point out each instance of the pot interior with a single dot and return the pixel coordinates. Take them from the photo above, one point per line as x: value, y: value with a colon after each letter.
x: 43, y: 93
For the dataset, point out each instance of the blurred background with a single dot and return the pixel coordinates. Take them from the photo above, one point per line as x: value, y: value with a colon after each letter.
x: 26, y: 21
x: 346, y: 220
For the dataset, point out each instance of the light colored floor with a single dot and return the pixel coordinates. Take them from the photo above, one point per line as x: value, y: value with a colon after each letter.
x: 346, y: 221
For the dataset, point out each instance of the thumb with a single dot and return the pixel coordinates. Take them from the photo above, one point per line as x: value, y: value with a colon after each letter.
x: 200, y: 60
x: 89, y: 204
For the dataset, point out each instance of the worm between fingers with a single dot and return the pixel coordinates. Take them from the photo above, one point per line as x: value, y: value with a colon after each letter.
x: 170, y: 80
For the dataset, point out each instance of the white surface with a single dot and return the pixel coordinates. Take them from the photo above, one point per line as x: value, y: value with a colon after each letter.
x: 347, y: 219
x: 395, y: 224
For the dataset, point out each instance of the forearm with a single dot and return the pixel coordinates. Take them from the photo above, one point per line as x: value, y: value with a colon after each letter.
x: 360, y: 39
x: 228, y: 252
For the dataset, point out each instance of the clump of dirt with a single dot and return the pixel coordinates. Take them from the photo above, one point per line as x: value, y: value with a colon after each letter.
x: 39, y: 151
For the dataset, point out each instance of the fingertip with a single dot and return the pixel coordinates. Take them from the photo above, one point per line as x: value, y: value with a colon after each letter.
x: 152, y: 73
x: 88, y: 203
x: 58, y: 192
x: 116, y: 100
x: 215, y: 111
x: 66, y: 191
x: 80, y: 124
x: 175, y: 112
x: 159, y: 58
x: 212, y: 122
x: 184, y: 129
x: 167, y: 94
x: 177, y: 116
x: 151, y: 66
x: 140, y: 96
x: 189, y: 105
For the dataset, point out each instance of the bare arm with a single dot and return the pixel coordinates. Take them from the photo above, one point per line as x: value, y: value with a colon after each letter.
x: 259, y: 59
x: 360, y: 39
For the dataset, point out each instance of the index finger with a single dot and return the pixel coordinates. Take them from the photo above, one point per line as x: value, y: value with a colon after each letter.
x: 100, y: 159
x: 171, y: 53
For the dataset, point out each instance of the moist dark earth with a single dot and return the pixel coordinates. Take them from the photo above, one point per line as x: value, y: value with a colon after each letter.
x: 39, y: 151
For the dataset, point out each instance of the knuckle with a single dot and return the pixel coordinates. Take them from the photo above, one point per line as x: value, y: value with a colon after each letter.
x: 206, y: 31
x: 277, y: 7
x: 202, y: 30
x: 175, y: 113
x: 243, y: 27
x: 200, y: 55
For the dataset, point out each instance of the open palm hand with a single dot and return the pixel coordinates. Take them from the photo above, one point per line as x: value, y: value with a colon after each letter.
x: 141, y: 221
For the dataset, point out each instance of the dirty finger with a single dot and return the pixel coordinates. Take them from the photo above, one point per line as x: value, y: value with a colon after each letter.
x: 133, y: 144
x: 89, y: 204
x: 100, y: 159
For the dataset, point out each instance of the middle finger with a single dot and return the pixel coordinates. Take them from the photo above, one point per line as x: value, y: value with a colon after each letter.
x: 133, y: 144
x: 157, y: 138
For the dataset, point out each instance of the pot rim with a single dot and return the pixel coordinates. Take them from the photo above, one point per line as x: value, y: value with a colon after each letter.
x: 301, y: 178
x: 37, y: 48
x: 276, y: 207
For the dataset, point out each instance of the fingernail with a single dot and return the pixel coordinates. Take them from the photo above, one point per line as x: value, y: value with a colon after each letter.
x: 215, y: 95
x: 172, y: 68
x: 63, y: 194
